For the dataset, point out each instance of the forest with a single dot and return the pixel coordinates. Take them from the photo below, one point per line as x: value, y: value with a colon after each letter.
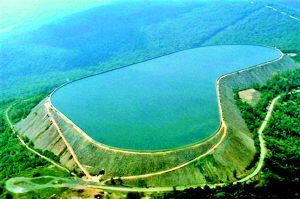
x: 36, y: 61
x: 15, y: 159
x: 279, y: 177
x: 72, y: 47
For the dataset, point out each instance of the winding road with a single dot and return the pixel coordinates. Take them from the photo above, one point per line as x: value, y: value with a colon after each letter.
x: 222, y: 129
x: 24, y: 144
x: 263, y: 149
x: 22, y: 184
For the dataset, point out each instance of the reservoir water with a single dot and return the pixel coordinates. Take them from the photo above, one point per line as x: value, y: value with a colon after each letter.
x: 159, y: 104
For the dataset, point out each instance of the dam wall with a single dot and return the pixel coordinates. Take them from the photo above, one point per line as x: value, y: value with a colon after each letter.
x: 238, y: 149
x: 39, y: 129
x: 94, y: 156
x: 225, y: 163
x: 229, y: 161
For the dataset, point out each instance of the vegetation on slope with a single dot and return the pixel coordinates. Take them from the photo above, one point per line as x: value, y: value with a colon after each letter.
x: 254, y: 116
x: 39, y: 60
x: 32, y: 67
x: 15, y: 159
x: 280, y: 175
x: 265, y: 27
x: 282, y: 139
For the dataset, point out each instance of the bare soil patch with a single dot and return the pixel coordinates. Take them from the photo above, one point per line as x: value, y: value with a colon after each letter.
x: 251, y: 96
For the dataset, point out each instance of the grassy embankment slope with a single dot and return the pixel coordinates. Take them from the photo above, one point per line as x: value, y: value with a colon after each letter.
x: 15, y: 158
x: 236, y: 146
x: 45, y: 65
x: 277, y: 179
x: 280, y: 83
x: 233, y: 156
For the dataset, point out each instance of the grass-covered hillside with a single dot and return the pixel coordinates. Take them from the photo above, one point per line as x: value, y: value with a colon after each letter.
x: 15, y: 158
x: 265, y: 26
x: 279, y: 177
x: 39, y: 57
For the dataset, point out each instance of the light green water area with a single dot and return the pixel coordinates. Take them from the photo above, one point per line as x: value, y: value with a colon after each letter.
x: 162, y: 103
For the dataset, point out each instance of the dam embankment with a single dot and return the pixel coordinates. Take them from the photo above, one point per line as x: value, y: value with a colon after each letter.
x: 225, y: 163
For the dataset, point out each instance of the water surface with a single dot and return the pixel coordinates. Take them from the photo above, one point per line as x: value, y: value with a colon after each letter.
x: 162, y: 103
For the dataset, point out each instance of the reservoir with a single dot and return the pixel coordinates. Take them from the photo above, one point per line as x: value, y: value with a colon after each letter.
x: 159, y: 104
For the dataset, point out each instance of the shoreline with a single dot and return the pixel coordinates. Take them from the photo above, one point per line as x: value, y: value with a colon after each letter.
x: 192, y: 145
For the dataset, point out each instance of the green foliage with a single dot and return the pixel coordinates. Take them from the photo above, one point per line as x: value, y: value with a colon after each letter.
x: 142, y: 183
x: 280, y: 177
x: 264, y: 27
x: 40, y: 60
x: 275, y: 189
x: 253, y: 116
x: 44, y: 193
x: 282, y: 139
x: 134, y: 195
x: 22, y: 107
x: 15, y: 159
x: 35, y: 66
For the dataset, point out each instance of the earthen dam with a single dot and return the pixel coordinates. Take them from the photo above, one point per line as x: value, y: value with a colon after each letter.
x: 159, y: 115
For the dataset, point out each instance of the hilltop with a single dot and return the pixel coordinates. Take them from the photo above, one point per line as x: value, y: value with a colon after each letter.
x: 111, y: 36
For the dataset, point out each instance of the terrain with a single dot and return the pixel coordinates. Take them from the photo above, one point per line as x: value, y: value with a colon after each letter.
x: 270, y: 90
x: 36, y: 59
x: 58, y: 51
x: 281, y: 142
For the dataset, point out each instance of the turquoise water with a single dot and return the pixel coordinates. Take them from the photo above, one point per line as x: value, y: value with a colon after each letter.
x: 159, y: 104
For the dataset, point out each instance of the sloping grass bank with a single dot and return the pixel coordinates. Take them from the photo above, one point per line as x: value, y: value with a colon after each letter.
x: 15, y: 159
x: 227, y: 163
x: 279, y: 177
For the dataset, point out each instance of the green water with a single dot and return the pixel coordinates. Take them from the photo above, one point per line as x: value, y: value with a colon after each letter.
x: 159, y: 104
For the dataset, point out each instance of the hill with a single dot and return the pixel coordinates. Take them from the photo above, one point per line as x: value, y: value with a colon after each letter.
x: 119, y: 34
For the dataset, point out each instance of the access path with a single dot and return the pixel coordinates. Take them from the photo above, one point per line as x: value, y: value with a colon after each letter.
x: 11, y: 187
x: 28, y: 147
